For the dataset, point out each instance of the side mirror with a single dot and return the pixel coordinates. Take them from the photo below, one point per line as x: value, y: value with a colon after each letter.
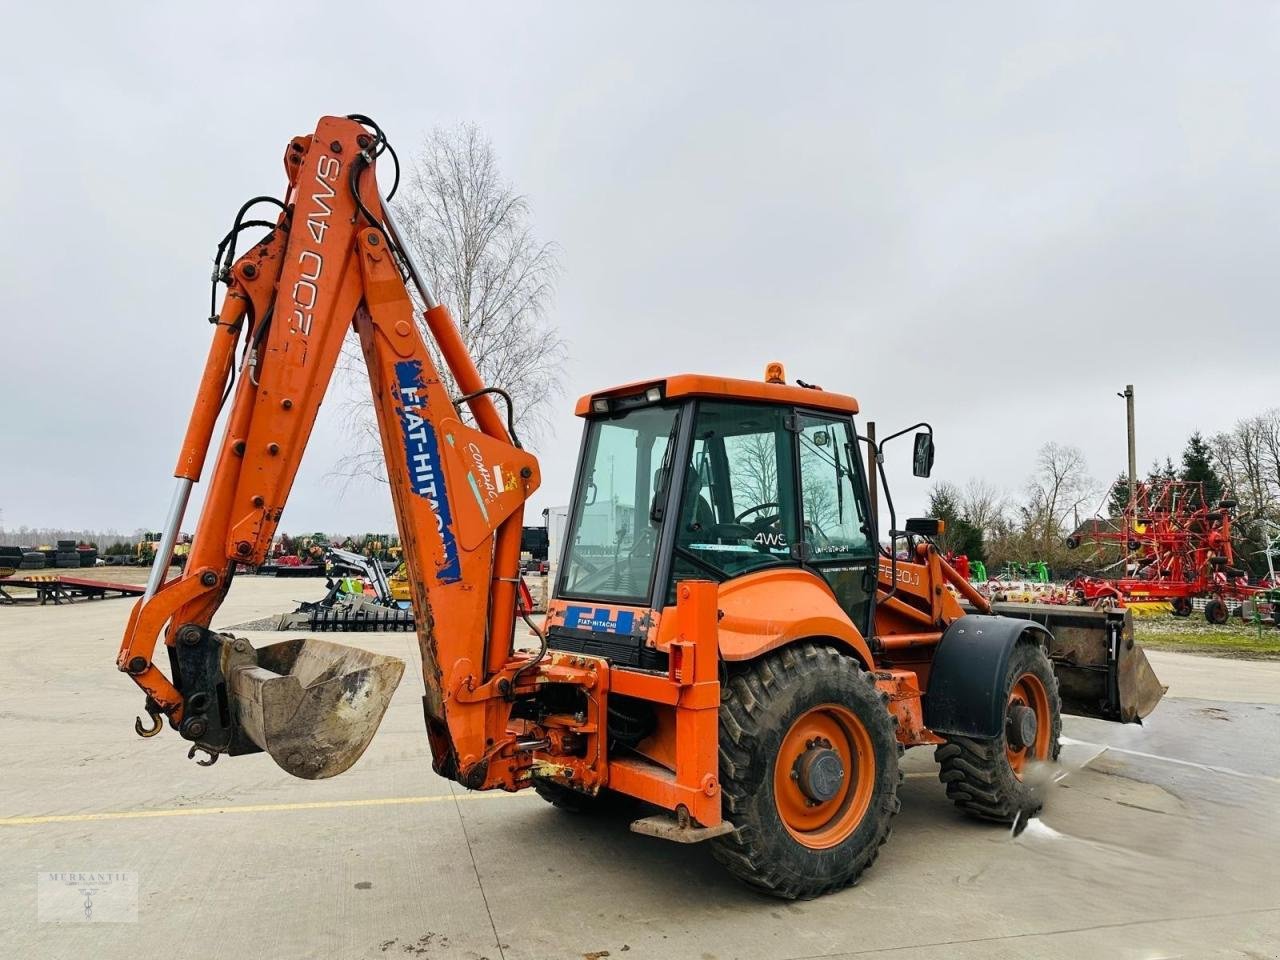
x: 922, y: 457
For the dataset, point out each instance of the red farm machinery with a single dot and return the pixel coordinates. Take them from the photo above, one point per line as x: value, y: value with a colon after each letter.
x: 1170, y: 544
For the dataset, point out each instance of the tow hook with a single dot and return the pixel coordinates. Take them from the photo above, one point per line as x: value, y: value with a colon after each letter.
x: 157, y: 721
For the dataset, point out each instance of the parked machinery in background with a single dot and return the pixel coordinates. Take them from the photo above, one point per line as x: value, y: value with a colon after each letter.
x: 145, y: 550
x: 1033, y: 571
x: 358, y: 598
x: 1264, y: 605
x: 534, y: 545
x: 1172, y: 545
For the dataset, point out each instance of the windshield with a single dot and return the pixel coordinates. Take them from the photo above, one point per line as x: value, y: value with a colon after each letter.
x: 617, y: 508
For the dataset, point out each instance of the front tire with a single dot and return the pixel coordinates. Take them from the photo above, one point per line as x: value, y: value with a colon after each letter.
x: 991, y: 779
x: 808, y: 770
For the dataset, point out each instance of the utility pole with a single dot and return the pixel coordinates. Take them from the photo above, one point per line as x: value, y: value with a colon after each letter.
x: 1133, y: 447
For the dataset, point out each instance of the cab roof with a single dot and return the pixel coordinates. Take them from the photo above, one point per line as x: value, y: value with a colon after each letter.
x: 724, y: 388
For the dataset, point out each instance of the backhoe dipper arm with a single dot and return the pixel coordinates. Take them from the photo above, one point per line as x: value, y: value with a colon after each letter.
x: 334, y: 260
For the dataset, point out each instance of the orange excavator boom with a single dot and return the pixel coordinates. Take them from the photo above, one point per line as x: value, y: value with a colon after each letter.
x: 336, y: 260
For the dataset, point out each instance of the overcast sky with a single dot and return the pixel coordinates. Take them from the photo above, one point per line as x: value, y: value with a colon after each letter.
x: 988, y: 216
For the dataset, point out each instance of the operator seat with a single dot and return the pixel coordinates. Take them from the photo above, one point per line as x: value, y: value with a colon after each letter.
x: 697, y: 514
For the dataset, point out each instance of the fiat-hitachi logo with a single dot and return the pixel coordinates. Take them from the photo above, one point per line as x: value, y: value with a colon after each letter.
x: 599, y: 620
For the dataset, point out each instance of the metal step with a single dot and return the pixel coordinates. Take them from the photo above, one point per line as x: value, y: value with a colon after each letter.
x: 667, y: 826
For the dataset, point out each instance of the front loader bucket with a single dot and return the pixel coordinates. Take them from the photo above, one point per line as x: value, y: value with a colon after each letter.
x: 313, y: 705
x: 1102, y: 671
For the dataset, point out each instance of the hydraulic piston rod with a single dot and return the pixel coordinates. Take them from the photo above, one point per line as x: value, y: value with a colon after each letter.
x: 169, y: 538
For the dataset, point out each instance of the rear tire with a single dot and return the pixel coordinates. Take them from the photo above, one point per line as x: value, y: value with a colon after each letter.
x: 988, y: 779
x: 794, y: 710
x: 1181, y: 607
x: 1215, y: 612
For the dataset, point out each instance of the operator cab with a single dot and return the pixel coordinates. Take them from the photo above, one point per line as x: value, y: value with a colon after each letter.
x: 707, y: 478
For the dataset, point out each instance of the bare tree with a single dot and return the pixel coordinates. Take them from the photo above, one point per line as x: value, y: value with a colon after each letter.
x: 753, y: 469
x: 983, y: 505
x: 1269, y: 435
x: 470, y: 233
x: 1248, y: 456
x: 1056, y: 492
x: 818, y: 494
x: 35, y: 537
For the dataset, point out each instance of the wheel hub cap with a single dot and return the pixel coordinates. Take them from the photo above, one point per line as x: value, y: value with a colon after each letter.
x: 819, y: 772
x: 1020, y: 726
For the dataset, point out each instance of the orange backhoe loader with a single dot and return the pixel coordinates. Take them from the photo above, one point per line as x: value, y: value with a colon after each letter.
x: 726, y: 640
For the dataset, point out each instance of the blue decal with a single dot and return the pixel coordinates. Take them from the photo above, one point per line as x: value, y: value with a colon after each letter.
x: 422, y: 455
x: 599, y: 621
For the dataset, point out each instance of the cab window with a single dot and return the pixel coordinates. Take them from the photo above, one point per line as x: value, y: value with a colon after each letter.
x: 737, y: 510
x: 834, y: 517
x: 834, y: 521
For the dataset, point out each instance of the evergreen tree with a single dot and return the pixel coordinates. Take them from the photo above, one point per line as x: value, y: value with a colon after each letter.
x: 1118, y: 499
x: 959, y: 536
x: 944, y: 503
x: 1161, y: 472
x: 1197, y: 467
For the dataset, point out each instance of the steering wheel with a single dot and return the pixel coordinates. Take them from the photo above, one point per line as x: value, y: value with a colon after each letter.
x: 763, y: 521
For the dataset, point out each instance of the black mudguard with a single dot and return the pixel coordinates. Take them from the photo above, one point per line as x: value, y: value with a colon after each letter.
x: 1102, y: 670
x: 966, y: 682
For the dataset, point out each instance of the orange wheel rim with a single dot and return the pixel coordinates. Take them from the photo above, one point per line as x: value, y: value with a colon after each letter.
x: 1028, y: 692
x: 818, y: 808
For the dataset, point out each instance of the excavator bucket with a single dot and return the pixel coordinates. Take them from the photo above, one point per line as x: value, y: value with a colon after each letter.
x: 1102, y: 671
x: 313, y: 705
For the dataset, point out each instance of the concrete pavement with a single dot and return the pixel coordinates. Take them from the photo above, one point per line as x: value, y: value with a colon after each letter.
x: 1160, y: 845
x: 1217, y: 678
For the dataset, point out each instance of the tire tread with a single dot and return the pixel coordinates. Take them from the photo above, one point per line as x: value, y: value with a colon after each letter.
x: 745, y: 702
x: 977, y: 775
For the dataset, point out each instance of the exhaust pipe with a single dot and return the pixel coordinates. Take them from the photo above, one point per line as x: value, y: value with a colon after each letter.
x: 311, y: 704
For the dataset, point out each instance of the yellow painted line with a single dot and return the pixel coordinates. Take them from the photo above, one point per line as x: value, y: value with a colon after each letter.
x: 253, y: 808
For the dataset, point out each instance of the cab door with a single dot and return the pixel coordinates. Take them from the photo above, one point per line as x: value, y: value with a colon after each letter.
x: 835, y: 530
